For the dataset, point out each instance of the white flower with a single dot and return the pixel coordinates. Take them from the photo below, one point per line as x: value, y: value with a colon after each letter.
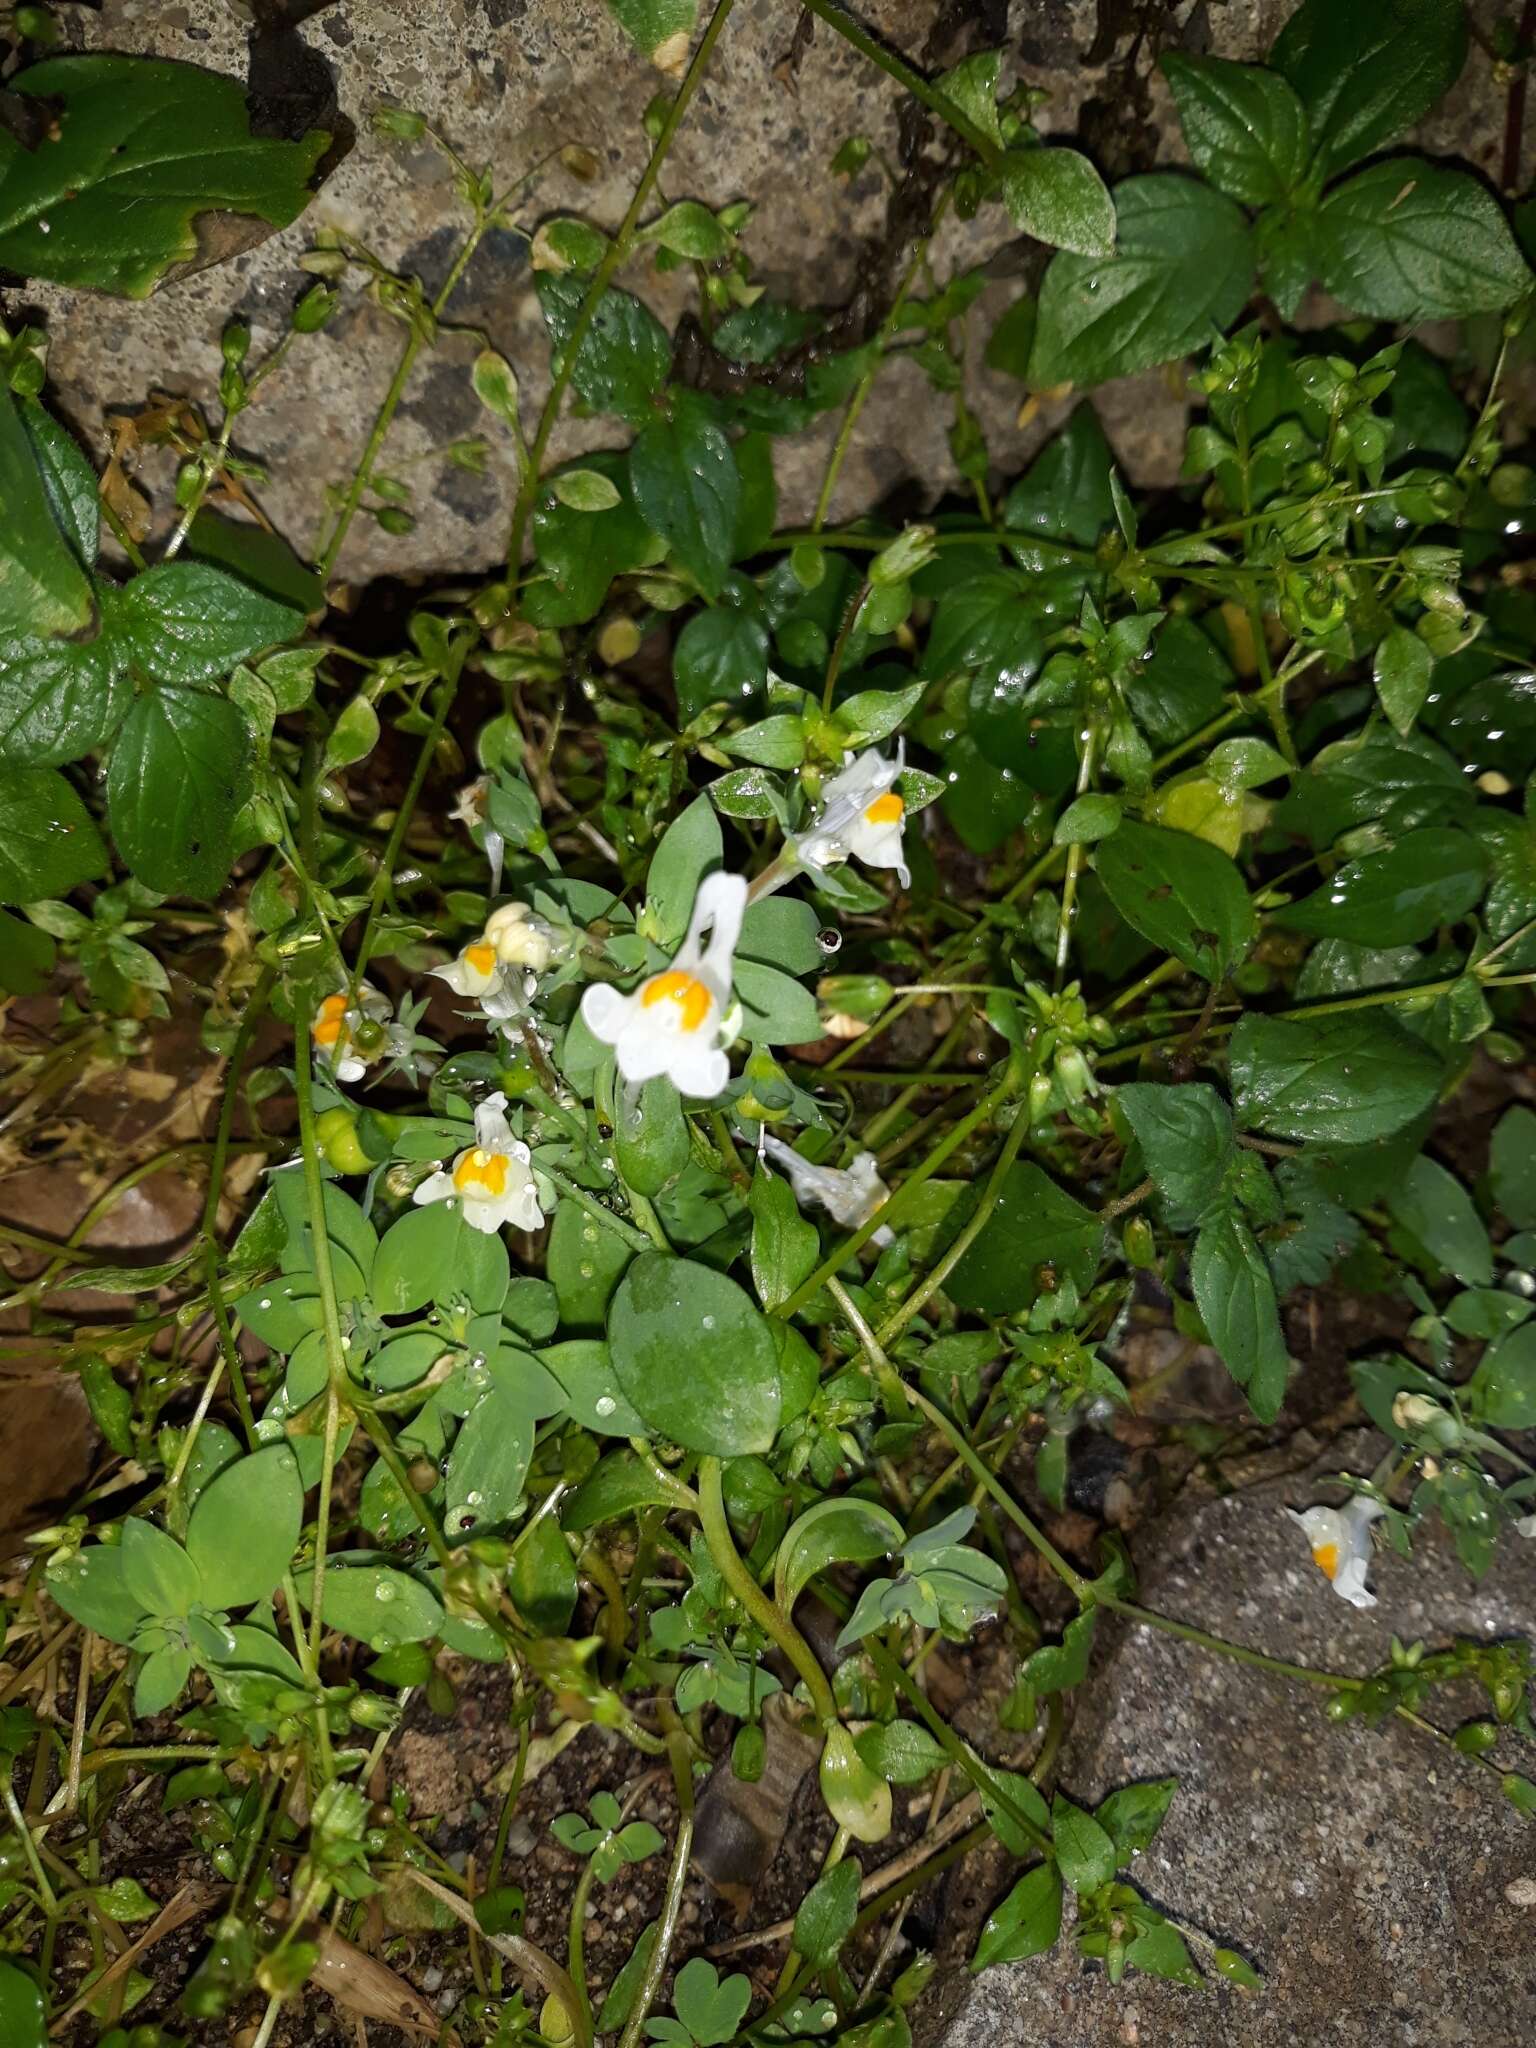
x: 521, y: 937
x: 336, y: 1027
x: 472, y: 810
x: 1341, y: 1545
x: 476, y: 970
x: 491, y: 1179
x: 861, y: 815
x: 1526, y: 1526
x: 849, y: 1195
x: 678, y: 1022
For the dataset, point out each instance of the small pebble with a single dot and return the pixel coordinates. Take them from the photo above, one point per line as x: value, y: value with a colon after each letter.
x: 1521, y: 1891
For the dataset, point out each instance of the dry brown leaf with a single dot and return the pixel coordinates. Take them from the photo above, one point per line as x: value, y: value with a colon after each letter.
x: 361, y: 1984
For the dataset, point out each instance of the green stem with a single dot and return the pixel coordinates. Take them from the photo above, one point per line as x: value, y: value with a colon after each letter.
x: 255, y: 1009
x: 613, y: 256
x: 29, y: 1846
x: 637, y: 1240
x: 384, y: 878
x: 895, y: 1206
x: 677, y: 1879
x: 767, y: 1614
x: 911, y: 81
x: 337, y: 1376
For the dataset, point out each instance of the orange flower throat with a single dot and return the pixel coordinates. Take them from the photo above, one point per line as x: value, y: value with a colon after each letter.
x: 692, y: 998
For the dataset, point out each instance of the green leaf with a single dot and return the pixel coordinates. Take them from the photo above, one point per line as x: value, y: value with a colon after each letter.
x: 26, y: 957
x: 650, y: 1135
x: 490, y: 1457
x: 376, y: 1604
x: 178, y: 775
x: 1437, y: 1209
x: 845, y: 1531
x: 584, y: 1263
x: 22, y: 2020
x: 689, y: 230
x: 43, y: 588
x: 901, y: 1752
x: 625, y: 1988
x: 776, y: 1009
x: 694, y: 1357
x: 1180, y: 892
x: 1087, y: 819
x: 1402, y: 894
x: 157, y: 1572
x: 625, y: 355
x: 1057, y: 1667
x: 827, y: 1913
x: 1226, y: 1962
x: 1026, y: 1923
x: 161, y: 1679
x: 1065, y: 494
x: 1058, y: 197
x: 256, y: 556
x: 661, y: 30
x: 60, y: 698
x: 1368, y: 70
x: 69, y: 482
x: 143, y: 158
x: 50, y: 844
x: 782, y: 931
x: 245, y: 1527
x: 1023, y: 1800
x: 686, y: 487
x: 1085, y: 1855
x: 1245, y: 127
x: 690, y: 847
x: 971, y: 88
x: 1513, y: 1166
x: 1402, y: 669
x: 1185, y: 1134
x: 1034, y: 1224
x: 617, y: 1487
x: 785, y: 1244
x: 1409, y: 240
x: 543, y: 1581
x: 1183, y: 264
x: 1132, y: 1816
x: 710, y: 2009
x: 92, y: 1589
x: 1236, y: 1298
x: 721, y: 657
x: 585, y: 490
x: 580, y: 553
x: 417, y: 1254
x: 187, y: 622
x: 584, y: 1368
x: 125, y: 1899
x: 1503, y: 1389
x: 1160, y: 1951
x: 1336, y: 1080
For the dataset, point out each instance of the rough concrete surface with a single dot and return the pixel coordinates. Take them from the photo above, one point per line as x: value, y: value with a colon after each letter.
x: 1380, y: 1882
x: 509, y: 80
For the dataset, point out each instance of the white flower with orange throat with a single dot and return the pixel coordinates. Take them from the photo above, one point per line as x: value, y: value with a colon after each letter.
x: 491, y: 1180
x: 861, y: 816
x: 476, y: 970
x: 341, y: 1021
x: 1341, y: 1545
x: 678, y: 1022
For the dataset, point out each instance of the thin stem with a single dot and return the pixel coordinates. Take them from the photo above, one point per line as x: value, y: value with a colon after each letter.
x: 912, y: 81
x: 767, y: 1614
x: 613, y: 256
x: 677, y: 1879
